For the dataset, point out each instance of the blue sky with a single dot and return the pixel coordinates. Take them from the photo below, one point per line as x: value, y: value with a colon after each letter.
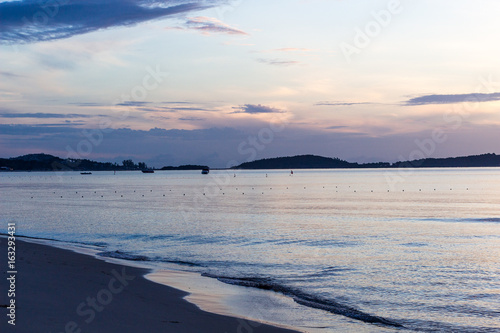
x: 223, y: 82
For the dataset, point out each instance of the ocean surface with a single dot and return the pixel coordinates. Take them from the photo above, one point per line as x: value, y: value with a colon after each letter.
x: 343, y: 250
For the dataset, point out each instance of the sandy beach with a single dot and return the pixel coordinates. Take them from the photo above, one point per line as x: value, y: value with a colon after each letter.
x: 59, y: 290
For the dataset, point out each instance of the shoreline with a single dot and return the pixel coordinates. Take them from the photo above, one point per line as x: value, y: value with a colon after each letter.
x: 59, y: 290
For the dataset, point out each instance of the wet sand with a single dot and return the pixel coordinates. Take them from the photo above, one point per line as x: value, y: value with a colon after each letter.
x: 62, y: 291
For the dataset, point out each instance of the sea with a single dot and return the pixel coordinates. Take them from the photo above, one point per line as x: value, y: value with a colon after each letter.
x: 344, y: 250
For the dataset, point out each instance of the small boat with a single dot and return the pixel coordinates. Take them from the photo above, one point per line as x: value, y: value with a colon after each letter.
x: 205, y: 171
x: 85, y: 173
x: 148, y: 171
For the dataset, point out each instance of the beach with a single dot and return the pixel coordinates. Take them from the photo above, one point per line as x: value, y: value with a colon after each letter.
x: 58, y: 290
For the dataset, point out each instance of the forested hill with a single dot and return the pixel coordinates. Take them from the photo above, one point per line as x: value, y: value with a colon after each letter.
x: 485, y: 160
x: 45, y: 162
x: 319, y: 162
x: 297, y: 162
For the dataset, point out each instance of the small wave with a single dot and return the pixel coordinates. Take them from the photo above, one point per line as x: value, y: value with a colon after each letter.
x: 133, y: 257
x: 472, y: 220
x: 181, y: 262
x: 123, y: 255
x: 307, y: 300
x: 415, y: 244
x: 485, y: 219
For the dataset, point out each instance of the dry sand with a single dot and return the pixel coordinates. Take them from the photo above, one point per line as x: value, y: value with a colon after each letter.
x: 62, y: 291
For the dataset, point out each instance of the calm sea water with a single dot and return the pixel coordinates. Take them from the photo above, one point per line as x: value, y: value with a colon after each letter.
x: 357, y: 250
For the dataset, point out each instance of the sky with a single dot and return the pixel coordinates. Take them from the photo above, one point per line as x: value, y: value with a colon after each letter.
x: 222, y: 82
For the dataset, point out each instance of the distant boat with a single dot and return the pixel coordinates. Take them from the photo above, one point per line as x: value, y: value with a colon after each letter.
x: 205, y: 171
x: 85, y: 173
x: 148, y: 171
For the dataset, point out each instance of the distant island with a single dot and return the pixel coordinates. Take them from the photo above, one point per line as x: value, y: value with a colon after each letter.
x: 45, y: 162
x: 319, y: 162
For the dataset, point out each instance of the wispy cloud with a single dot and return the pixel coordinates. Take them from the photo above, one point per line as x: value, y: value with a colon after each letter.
x: 191, y: 119
x: 292, y: 49
x: 89, y: 104
x: 10, y: 74
x: 132, y: 103
x: 256, y: 109
x: 278, y: 62
x: 28, y: 21
x: 169, y: 103
x: 162, y: 107
x: 336, y: 127
x: 285, y: 49
x: 452, y: 99
x: 43, y: 115
x: 186, y: 109
x: 341, y: 103
x: 209, y: 25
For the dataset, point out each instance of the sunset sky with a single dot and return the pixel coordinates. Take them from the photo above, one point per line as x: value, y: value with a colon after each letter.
x: 224, y: 82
